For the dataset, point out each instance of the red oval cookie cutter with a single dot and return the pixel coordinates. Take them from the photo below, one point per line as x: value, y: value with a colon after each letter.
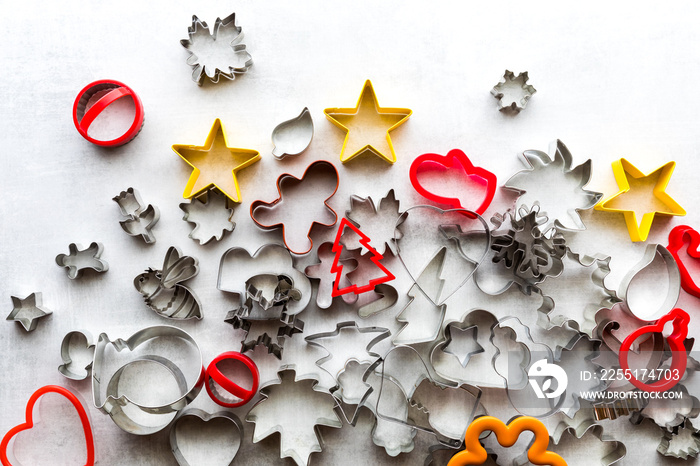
x: 84, y: 420
x: 214, y: 374
x: 679, y: 360
x: 83, y: 116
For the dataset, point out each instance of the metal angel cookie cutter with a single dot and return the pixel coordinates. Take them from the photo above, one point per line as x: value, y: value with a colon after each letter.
x: 140, y: 219
x: 160, y: 363
x: 292, y: 137
x: 209, y: 51
x: 78, y: 259
x: 195, y: 426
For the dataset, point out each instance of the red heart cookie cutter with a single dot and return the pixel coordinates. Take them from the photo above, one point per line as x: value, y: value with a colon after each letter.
x: 676, y: 240
x: 85, y: 421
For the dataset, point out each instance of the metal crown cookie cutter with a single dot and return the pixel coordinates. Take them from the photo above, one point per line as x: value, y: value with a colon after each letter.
x: 292, y: 137
x: 164, y: 349
x: 513, y: 92
x: 140, y: 219
x: 78, y: 259
x: 200, y: 417
x: 28, y: 311
x: 320, y: 178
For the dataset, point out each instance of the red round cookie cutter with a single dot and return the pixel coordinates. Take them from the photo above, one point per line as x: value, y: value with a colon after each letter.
x: 83, y: 116
x: 214, y: 374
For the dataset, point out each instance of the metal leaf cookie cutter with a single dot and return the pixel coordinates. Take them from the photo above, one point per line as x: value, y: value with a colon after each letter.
x: 193, y: 422
x: 77, y: 344
x: 513, y: 92
x: 292, y: 137
x: 78, y: 259
x: 211, y: 218
x: 140, y: 219
x: 28, y: 311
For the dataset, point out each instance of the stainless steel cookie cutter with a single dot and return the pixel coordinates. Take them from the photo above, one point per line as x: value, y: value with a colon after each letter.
x: 211, y: 218
x: 140, y: 219
x: 198, y: 415
x: 28, y: 311
x: 513, y: 92
x: 78, y: 259
x: 77, y: 344
x: 292, y: 137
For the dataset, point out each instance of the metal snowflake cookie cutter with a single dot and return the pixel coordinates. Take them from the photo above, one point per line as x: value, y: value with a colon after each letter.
x: 237, y: 266
x: 379, y: 223
x: 140, y: 219
x: 299, y: 435
x: 513, y: 92
x: 550, y: 180
x: 163, y: 291
x: 195, y: 426
x: 681, y: 442
x: 78, y: 354
x: 320, y: 179
x: 28, y: 311
x: 78, y: 259
x: 124, y: 370
x: 292, y: 137
x: 205, y: 48
x: 570, y: 439
x: 211, y: 218
x: 321, y: 271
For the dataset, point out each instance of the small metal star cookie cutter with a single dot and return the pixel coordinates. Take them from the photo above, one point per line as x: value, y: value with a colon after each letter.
x: 78, y: 259
x: 513, y: 92
x: 28, y: 311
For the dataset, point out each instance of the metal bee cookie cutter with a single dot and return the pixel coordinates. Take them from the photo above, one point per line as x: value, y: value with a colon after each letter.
x: 140, y: 219
x: 169, y: 354
x: 192, y: 424
x: 292, y: 137
x: 77, y: 260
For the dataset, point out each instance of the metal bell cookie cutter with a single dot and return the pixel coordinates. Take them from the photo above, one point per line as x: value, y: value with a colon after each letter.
x: 292, y: 137
x: 513, y: 92
x: 28, y: 311
x: 170, y: 353
x: 140, y: 219
x: 180, y: 430
x: 78, y: 259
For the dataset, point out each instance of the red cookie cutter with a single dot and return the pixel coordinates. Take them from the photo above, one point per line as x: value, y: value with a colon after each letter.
x: 454, y: 160
x: 676, y: 241
x: 679, y: 359
x: 85, y: 421
x: 214, y: 374
x: 110, y: 91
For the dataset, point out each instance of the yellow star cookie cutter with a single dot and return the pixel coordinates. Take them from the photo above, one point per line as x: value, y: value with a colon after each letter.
x: 367, y: 126
x: 507, y: 435
x: 640, y: 231
x: 214, y: 158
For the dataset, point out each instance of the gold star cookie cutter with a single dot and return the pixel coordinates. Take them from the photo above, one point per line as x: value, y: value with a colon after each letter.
x: 639, y: 231
x: 367, y: 126
x: 211, y: 164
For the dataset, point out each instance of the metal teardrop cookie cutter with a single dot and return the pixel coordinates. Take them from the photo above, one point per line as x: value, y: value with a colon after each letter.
x: 125, y: 411
x: 292, y: 137
x: 194, y: 414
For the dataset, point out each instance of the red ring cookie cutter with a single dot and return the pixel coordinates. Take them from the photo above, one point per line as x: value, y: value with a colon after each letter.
x: 679, y: 360
x: 213, y: 373
x: 83, y: 116
x: 84, y: 420
x: 676, y: 240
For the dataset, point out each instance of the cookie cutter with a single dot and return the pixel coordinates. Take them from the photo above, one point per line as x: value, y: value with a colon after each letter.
x: 28, y: 311
x: 507, y: 435
x: 74, y: 344
x: 367, y: 108
x: 226, y: 30
x: 639, y: 231
x: 94, y: 98
x: 140, y: 219
x: 683, y: 433
x: 319, y: 171
x: 214, y: 378
x: 679, y: 236
x: 211, y: 218
x: 29, y: 423
x: 321, y: 271
x: 198, y: 415
x: 78, y: 259
x: 165, y: 345
x: 588, y: 427
x: 163, y: 291
x: 292, y: 137
x: 513, y: 92
x: 455, y: 161
x: 379, y: 222
x: 215, y: 151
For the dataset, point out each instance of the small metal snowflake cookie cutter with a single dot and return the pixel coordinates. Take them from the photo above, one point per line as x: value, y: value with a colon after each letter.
x: 28, y: 311
x: 140, y: 219
x: 221, y: 27
x: 78, y: 259
x: 76, y: 340
x: 203, y: 214
x: 203, y: 416
x: 513, y: 92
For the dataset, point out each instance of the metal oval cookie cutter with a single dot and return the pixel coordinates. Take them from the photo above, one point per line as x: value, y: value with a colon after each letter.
x: 164, y: 349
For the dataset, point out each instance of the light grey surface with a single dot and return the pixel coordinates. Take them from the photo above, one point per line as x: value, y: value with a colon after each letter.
x: 613, y: 80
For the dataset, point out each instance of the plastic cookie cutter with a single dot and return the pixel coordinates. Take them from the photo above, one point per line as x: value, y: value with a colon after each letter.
x: 223, y: 426
x: 513, y: 92
x: 94, y: 98
x: 507, y: 435
x: 140, y: 219
x: 215, y: 164
x: 453, y: 166
x: 679, y: 359
x: 211, y: 218
x: 5, y: 447
x: 367, y: 126
x: 28, y: 311
x: 622, y: 169
x: 163, y: 290
x: 78, y: 259
x: 677, y: 239
x: 160, y: 363
x: 77, y: 353
x: 215, y: 378
x: 292, y: 137
x: 205, y: 49
x: 320, y: 180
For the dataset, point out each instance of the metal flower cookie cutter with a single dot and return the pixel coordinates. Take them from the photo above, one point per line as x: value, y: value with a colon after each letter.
x: 140, y: 219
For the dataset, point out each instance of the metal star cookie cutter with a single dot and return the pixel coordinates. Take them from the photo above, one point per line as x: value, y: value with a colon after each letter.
x: 224, y: 30
x: 211, y: 218
x: 140, y: 219
x: 168, y: 352
x: 78, y: 345
x: 77, y: 260
x: 292, y: 137
x: 513, y: 92
x: 194, y: 415
x: 28, y: 311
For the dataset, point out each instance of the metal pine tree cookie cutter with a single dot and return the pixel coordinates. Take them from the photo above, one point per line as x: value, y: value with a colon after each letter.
x: 140, y: 219
x: 193, y: 423
x: 292, y: 137
x: 513, y: 92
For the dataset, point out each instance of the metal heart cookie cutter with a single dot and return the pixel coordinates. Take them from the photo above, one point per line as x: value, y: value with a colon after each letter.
x: 159, y: 362
x: 193, y: 422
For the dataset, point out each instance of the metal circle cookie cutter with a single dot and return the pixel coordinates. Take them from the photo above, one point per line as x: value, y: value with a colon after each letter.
x: 125, y: 411
x: 105, y: 92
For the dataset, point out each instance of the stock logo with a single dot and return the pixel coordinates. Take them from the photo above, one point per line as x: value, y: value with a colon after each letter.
x: 546, y: 372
